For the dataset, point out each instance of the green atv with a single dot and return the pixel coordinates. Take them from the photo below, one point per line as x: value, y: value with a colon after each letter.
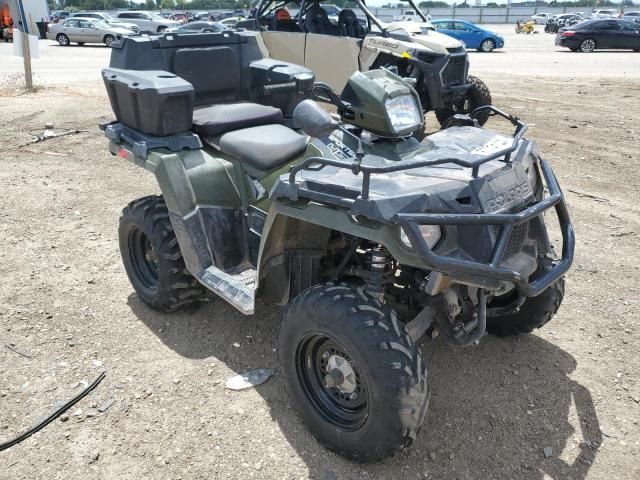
x: 369, y: 239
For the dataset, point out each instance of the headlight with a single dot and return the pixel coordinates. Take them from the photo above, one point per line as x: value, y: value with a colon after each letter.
x: 431, y: 234
x: 403, y: 112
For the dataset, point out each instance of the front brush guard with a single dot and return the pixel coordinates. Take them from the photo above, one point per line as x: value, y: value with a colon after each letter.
x: 410, y: 222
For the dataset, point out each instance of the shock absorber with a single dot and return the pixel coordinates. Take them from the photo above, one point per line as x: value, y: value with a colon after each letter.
x: 379, y: 263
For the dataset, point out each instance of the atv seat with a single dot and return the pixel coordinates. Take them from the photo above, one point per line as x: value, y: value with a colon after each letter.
x: 317, y: 21
x: 264, y: 147
x: 216, y: 120
x: 349, y: 25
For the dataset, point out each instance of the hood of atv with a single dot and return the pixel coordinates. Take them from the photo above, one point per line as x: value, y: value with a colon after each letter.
x: 438, y: 188
x: 436, y: 41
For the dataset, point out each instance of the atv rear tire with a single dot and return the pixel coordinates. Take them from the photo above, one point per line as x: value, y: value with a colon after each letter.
x: 152, y: 257
x: 534, y: 313
x: 478, y: 95
x: 376, y: 402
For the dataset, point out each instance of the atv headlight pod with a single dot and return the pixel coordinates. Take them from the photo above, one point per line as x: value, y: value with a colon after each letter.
x: 403, y: 112
x: 431, y: 234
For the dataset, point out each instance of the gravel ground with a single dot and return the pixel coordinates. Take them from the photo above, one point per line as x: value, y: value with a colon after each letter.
x: 67, y: 312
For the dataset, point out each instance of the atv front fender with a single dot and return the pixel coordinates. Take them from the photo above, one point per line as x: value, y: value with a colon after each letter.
x: 296, y: 236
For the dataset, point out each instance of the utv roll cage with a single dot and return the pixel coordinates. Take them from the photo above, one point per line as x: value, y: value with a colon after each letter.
x: 410, y: 222
x: 267, y: 8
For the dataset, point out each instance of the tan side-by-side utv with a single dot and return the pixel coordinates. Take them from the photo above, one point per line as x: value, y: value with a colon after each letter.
x: 301, y: 32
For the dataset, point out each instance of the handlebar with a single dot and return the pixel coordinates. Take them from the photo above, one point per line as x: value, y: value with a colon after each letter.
x: 289, y: 87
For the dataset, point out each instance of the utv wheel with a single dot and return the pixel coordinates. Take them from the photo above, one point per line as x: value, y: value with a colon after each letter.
x: 353, y: 374
x: 587, y: 45
x: 63, y: 40
x: 487, y: 46
x: 509, y: 315
x: 152, y: 257
x: 108, y: 40
x: 477, y: 96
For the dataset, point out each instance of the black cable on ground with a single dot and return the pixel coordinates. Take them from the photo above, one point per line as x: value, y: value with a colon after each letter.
x: 53, y: 416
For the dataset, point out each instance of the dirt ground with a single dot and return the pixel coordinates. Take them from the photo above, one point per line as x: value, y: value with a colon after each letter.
x: 67, y: 312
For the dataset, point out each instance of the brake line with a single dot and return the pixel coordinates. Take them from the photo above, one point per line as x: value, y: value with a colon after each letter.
x: 53, y: 416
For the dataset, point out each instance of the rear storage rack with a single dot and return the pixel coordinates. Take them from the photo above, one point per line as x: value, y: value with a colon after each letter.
x: 410, y: 222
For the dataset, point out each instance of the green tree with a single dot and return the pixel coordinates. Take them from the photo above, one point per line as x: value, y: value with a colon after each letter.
x: 433, y: 4
x: 167, y: 4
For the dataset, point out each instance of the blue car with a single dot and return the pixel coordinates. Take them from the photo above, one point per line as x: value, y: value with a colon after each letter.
x: 472, y: 35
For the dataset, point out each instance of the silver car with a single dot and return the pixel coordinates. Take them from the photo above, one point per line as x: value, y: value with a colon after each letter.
x: 106, y: 18
x: 84, y: 30
x: 541, y: 18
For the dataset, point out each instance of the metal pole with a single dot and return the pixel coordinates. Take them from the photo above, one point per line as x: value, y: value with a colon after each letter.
x: 26, y: 56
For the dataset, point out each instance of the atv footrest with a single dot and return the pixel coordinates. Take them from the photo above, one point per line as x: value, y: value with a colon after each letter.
x: 238, y: 290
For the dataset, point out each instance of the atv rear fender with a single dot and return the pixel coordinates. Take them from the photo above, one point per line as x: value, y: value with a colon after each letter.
x: 201, y: 192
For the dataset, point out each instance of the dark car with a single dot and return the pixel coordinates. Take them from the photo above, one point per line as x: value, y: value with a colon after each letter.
x: 198, y: 27
x: 60, y: 15
x: 600, y: 34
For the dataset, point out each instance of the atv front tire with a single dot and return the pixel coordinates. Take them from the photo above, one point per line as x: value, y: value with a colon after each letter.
x: 152, y: 257
x: 354, y: 376
x: 535, y: 312
x: 477, y: 96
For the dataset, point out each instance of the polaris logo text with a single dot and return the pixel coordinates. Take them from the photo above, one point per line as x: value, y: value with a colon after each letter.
x: 519, y: 192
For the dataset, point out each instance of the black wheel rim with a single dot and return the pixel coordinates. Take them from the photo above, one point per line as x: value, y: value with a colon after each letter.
x: 344, y: 404
x: 143, y: 259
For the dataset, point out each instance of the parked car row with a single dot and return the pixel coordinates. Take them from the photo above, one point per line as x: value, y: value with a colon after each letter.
x: 100, y: 27
x: 543, y: 18
x: 574, y: 31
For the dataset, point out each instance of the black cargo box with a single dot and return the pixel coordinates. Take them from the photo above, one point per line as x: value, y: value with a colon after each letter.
x: 154, y: 102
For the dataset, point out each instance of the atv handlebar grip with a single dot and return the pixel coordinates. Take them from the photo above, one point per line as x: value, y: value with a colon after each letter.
x: 280, y: 88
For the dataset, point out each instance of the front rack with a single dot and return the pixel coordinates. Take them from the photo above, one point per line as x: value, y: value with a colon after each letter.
x: 504, y: 155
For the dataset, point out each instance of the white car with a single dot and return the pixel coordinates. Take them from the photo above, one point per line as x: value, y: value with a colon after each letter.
x: 607, y: 13
x: 231, y: 21
x: 541, y: 18
x: 149, y: 22
x: 409, y: 16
